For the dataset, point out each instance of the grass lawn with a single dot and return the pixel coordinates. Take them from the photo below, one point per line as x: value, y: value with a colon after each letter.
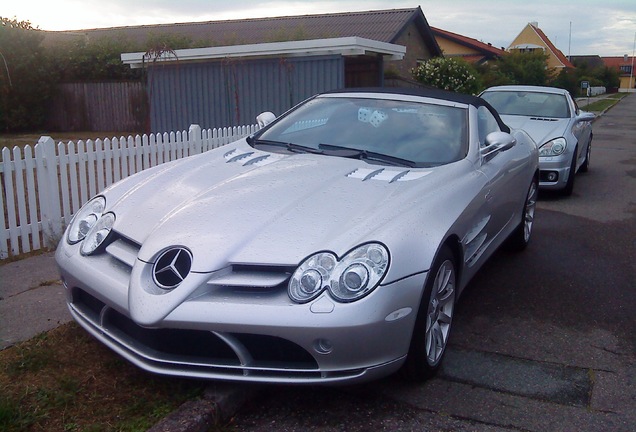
x: 64, y: 380
x: 603, y: 104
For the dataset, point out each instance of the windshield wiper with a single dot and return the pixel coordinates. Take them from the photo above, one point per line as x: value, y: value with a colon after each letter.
x: 292, y: 147
x: 354, y: 153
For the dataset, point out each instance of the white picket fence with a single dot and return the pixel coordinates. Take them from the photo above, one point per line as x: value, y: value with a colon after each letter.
x: 42, y: 187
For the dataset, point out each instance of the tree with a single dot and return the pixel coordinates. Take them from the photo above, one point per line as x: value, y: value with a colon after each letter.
x: 26, y: 81
x: 520, y: 68
x: 99, y: 60
x: 447, y: 74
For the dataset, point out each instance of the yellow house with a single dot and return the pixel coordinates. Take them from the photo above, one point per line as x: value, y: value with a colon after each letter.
x: 532, y: 38
x: 623, y: 65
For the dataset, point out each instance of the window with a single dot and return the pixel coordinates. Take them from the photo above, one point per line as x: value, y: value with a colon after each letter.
x: 426, y: 134
x: 528, y: 103
x: 626, y: 69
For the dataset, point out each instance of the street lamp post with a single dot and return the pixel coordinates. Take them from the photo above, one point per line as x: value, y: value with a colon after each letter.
x: 631, y: 69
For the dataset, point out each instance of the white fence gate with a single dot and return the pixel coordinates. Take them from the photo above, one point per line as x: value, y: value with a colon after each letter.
x: 42, y: 187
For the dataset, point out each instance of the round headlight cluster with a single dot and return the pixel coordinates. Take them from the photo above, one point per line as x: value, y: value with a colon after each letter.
x: 85, y: 219
x: 91, y: 225
x: 98, y: 234
x: 348, y: 279
x: 555, y: 147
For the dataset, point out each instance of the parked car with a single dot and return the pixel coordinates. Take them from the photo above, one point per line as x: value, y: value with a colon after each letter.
x: 553, y: 119
x: 330, y: 246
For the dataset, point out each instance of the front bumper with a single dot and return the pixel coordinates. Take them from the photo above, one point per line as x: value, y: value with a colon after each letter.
x: 246, y: 336
x: 550, y: 166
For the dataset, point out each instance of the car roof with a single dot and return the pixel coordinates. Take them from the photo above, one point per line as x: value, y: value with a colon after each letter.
x: 527, y: 88
x: 421, y: 92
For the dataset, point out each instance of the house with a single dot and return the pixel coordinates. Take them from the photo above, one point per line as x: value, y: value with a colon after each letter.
x: 588, y: 61
x: 406, y: 27
x: 531, y: 39
x: 624, y: 64
x: 252, y: 65
x: 469, y: 49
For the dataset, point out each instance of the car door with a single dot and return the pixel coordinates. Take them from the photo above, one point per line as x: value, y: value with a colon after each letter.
x: 582, y: 131
x: 504, y: 181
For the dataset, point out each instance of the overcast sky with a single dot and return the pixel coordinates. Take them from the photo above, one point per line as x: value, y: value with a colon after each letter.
x: 606, y: 28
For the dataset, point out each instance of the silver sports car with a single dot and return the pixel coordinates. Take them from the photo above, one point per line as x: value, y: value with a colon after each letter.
x: 330, y: 246
x: 552, y: 118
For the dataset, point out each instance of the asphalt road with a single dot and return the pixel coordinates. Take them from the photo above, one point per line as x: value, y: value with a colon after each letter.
x: 544, y: 340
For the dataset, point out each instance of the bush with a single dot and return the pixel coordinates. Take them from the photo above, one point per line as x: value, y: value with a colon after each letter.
x: 26, y: 82
x: 447, y: 74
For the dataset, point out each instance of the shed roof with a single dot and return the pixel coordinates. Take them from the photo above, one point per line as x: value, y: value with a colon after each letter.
x: 344, y: 46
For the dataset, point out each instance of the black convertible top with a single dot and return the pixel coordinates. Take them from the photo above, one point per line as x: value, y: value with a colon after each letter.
x: 429, y: 93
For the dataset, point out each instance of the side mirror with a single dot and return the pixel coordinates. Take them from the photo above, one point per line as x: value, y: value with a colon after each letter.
x: 263, y: 119
x: 586, y: 116
x: 497, y: 142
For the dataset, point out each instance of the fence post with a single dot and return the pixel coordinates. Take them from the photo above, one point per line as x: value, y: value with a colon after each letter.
x: 48, y: 191
x: 194, y: 138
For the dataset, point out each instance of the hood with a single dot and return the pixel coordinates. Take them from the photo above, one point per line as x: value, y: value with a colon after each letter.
x: 540, y: 129
x: 240, y: 205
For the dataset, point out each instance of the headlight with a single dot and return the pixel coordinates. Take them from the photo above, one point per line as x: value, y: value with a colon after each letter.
x: 85, y: 219
x: 358, y: 273
x: 98, y: 234
x: 553, y: 148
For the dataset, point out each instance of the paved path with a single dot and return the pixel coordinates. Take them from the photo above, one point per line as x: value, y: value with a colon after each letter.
x: 31, y: 299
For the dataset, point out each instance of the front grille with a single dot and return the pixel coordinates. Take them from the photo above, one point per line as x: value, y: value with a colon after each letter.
x: 201, y: 352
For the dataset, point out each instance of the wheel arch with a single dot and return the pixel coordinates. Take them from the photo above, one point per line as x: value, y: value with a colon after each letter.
x: 455, y: 245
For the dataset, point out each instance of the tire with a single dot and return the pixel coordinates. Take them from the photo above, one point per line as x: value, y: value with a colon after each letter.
x: 588, y: 154
x: 434, y: 319
x: 520, y: 237
x: 569, y: 186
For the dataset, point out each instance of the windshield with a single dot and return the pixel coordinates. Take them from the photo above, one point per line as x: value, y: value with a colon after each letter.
x: 418, y: 134
x: 531, y: 104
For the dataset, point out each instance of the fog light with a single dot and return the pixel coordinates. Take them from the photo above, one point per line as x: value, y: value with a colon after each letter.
x: 323, y: 346
x: 549, y: 176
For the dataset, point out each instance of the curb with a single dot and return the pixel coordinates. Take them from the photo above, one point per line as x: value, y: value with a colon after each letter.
x: 219, y: 402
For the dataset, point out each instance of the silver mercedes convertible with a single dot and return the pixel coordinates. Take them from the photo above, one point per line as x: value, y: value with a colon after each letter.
x: 329, y: 247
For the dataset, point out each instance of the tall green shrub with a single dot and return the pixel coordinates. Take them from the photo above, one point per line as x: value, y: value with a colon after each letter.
x: 26, y: 79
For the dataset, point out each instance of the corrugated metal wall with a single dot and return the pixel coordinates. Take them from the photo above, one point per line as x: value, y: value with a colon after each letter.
x: 99, y: 107
x: 233, y: 92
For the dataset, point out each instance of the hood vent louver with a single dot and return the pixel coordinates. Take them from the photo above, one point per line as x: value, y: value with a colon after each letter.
x: 249, y: 158
x: 549, y: 119
x: 387, y: 175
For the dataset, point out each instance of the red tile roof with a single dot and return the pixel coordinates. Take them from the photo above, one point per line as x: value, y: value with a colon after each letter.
x: 617, y: 62
x: 563, y: 59
x: 488, y: 50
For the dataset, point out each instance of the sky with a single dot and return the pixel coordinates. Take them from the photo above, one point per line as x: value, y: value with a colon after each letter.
x: 576, y: 27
